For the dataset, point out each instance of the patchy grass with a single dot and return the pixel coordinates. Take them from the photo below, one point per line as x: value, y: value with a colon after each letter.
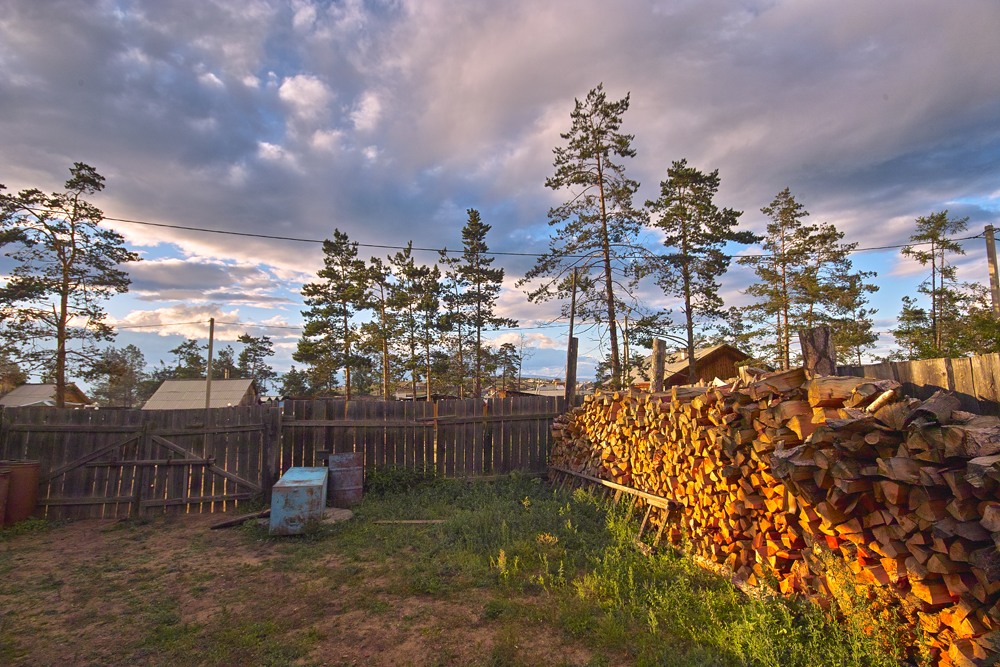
x: 516, y: 574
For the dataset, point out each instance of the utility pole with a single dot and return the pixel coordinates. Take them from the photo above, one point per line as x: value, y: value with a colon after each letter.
x: 572, y: 348
x: 208, y: 366
x: 991, y: 254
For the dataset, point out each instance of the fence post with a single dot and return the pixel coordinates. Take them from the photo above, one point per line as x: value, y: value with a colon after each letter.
x: 659, y: 359
x: 271, y: 449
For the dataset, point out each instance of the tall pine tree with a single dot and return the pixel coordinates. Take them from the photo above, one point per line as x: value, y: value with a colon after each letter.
x: 930, y: 245
x: 484, y: 283
x: 697, y: 231
x: 598, y: 221
x: 806, y: 279
x: 404, y: 304
x: 378, y: 332
x: 65, y: 265
x: 330, y: 335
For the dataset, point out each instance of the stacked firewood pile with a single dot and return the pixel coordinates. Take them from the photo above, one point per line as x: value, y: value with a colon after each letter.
x: 775, y: 475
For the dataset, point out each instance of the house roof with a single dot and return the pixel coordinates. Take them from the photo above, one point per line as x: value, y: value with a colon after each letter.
x: 42, y: 394
x: 676, y: 363
x: 701, y: 354
x: 190, y: 394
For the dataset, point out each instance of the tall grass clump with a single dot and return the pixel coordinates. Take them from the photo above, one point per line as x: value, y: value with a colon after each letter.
x: 569, y: 560
x: 676, y: 613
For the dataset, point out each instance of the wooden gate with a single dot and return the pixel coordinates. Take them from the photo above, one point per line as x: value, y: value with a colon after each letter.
x: 117, y: 463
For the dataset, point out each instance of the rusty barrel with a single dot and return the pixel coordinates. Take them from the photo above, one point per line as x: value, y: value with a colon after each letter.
x: 347, y: 478
x: 4, y: 483
x: 22, y: 490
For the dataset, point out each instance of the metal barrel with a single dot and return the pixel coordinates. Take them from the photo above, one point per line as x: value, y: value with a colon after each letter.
x: 22, y: 490
x: 347, y: 478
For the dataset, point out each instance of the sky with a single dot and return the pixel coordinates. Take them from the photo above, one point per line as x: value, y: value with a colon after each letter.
x: 390, y: 119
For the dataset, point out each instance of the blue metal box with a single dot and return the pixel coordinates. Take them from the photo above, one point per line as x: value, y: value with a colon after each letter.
x: 297, y: 498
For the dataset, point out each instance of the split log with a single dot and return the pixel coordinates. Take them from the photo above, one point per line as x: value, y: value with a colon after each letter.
x: 831, y: 391
x: 937, y: 409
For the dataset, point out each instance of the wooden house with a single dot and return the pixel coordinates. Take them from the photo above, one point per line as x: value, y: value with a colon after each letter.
x: 718, y: 361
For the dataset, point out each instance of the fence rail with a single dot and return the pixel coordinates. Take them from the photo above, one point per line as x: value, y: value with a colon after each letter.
x: 116, y: 463
x: 974, y: 380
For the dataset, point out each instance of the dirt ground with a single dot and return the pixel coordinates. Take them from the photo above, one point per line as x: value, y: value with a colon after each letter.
x: 172, y: 591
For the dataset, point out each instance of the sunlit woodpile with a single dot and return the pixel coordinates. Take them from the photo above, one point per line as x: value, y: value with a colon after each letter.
x: 773, y: 477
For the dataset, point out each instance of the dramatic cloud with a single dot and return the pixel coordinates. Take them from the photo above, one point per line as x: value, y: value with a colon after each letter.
x: 387, y: 120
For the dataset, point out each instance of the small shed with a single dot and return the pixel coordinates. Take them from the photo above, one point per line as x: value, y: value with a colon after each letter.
x: 35, y: 395
x: 718, y: 361
x: 190, y: 394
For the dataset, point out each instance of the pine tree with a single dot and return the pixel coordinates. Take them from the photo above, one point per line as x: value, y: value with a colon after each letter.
x: 428, y: 319
x: 484, y: 284
x: 329, y: 335
x: 118, y: 377
x: 252, y: 361
x: 455, y: 300
x: 377, y: 333
x: 224, y: 365
x: 598, y: 221
x: 65, y: 265
x: 404, y: 303
x: 806, y: 279
x: 189, y: 362
x: 697, y: 231
x: 932, y: 235
x: 295, y: 383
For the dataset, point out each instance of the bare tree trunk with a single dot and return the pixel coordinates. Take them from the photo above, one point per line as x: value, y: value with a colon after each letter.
x: 609, y: 292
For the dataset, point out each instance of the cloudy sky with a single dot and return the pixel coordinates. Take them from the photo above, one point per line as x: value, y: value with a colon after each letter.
x: 388, y: 119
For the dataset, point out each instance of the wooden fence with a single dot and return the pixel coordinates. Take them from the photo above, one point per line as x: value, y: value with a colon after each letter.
x: 457, y: 438
x: 974, y: 380
x: 117, y: 463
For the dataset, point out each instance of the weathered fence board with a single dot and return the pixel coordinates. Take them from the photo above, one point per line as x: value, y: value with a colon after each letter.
x: 117, y: 463
x: 974, y: 380
x: 457, y: 438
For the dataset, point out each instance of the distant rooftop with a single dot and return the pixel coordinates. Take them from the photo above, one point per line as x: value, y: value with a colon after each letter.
x: 43, y: 394
x: 190, y: 394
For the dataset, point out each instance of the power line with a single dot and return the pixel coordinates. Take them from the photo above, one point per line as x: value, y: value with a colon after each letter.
x: 295, y: 239
x: 160, y: 325
x: 254, y: 325
x: 305, y: 240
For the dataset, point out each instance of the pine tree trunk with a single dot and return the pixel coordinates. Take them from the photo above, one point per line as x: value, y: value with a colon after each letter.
x: 609, y: 293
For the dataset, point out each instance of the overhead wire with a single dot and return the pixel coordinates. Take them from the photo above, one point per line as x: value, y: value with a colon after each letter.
x: 274, y: 237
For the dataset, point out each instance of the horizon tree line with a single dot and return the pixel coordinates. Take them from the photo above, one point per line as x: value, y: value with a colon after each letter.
x: 424, y: 322
x: 371, y: 324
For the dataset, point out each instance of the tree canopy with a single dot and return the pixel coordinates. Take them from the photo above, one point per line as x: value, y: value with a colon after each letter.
x: 806, y: 279
x: 696, y: 230
x: 596, y: 229
x: 65, y: 266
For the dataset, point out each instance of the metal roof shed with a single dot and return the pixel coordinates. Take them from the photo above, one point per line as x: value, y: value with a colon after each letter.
x: 34, y: 395
x: 190, y: 394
